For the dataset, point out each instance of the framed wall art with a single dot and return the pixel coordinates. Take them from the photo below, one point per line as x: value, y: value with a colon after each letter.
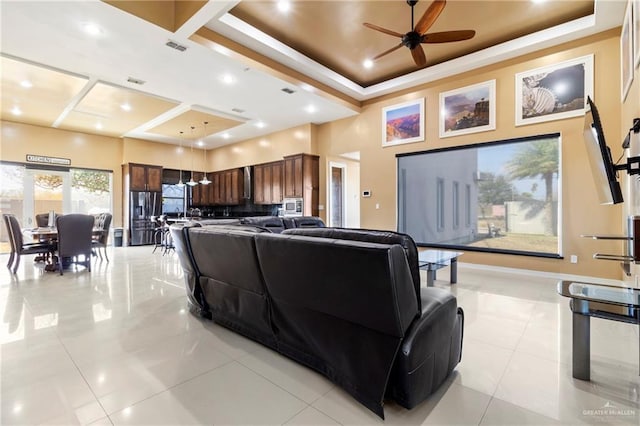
x: 469, y: 109
x: 403, y: 123
x: 626, y: 52
x: 554, y: 92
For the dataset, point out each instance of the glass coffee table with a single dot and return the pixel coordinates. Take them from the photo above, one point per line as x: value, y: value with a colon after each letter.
x: 432, y: 260
x: 600, y: 301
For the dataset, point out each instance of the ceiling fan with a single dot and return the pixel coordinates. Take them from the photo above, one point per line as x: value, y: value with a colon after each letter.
x: 418, y: 35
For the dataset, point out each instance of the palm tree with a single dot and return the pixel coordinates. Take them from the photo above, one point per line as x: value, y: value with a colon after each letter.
x: 535, y: 159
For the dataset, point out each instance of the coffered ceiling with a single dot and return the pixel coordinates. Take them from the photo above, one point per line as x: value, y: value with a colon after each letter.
x: 152, y: 69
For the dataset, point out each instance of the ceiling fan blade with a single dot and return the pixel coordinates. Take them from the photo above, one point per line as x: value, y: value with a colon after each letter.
x: 430, y: 16
x: 382, y: 30
x: 387, y: 51
x: 418, y: 56
x: 447, y: 36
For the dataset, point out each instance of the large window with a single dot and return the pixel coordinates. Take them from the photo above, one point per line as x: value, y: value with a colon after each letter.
x: 172, y: 199
x: 91, y: 191
x: 511, y: 193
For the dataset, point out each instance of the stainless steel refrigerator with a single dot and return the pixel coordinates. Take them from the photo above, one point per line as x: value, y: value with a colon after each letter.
x: 142, y: 206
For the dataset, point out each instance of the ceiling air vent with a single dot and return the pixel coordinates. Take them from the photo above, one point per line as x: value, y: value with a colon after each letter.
x: 238, y: 110
x: 172, y: 44
x: 289, y: 91
x: 135, y: 80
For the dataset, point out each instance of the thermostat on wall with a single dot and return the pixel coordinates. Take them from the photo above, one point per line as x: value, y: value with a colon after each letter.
x: 366, y: 193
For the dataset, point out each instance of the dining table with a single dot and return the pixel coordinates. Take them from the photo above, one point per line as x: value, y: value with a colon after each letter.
x: 49, y: 234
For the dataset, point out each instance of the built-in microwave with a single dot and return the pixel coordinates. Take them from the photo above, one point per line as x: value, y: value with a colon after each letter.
x: 292, y: 206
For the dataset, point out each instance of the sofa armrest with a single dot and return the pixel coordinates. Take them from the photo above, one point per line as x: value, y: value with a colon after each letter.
x: 430, y: 350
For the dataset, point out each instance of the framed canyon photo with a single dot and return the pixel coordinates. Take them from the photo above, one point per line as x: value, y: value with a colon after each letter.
x: 469, y: 109
x: 554, y: 92
x: 403, y: 123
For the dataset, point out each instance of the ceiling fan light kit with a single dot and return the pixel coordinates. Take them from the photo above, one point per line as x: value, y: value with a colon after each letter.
x: 418, y: 34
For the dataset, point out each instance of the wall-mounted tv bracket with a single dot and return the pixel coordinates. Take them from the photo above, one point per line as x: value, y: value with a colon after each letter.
x: 632, y: 166
x: 632, y: 248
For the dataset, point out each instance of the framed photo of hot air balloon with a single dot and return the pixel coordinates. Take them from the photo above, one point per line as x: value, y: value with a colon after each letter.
x: 554, y: 92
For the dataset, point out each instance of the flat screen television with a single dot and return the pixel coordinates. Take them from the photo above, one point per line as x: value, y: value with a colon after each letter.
x: 602, y: 166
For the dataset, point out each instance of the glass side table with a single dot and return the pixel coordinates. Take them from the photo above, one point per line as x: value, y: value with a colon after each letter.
x: 600, y: 301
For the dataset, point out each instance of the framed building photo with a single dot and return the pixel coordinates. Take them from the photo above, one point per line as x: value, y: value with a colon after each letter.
x: 554, y: 92
x: 626, y: 52
x: 469, y: 109
x: 403, y: 123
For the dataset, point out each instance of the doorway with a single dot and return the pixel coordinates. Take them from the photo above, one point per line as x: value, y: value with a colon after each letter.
x: 337, y: 179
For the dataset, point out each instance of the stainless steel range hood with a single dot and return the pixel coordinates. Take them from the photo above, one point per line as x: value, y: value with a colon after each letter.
x: 247, y: 183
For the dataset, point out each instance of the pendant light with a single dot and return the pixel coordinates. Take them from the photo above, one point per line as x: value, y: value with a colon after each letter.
x: 180, y: 184
x: 191, y: 181
x: 204, y: 180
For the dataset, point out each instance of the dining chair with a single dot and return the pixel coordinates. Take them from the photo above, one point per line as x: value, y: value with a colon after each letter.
x: 18, y: 247
x: 75, y: 239
x: 102, y: 223
x: 42, y: 219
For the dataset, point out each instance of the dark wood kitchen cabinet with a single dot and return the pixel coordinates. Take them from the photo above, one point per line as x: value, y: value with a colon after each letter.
x: 216, y: 194
x: 267, y: 183
x: 143, y: 177
x: 233, y: 186
x: 302, y: 180
x: 200, y: 194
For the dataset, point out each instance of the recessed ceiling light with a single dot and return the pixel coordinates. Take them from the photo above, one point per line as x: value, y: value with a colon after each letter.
x: 367, y: 63
x: 200, y: 143
x: 310, y: 109
x: 228, y: 79
x: 261, y: 124
x: 538, y: 1
x: 99, y: 126
x: 16, y: 110
x: 26, y: 84
x: 226, y: 135
x: 284, y: 6
x: 126, y: 107
x: 92, y: 29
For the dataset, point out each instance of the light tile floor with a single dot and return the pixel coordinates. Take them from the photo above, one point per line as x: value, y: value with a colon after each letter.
x: 117, y: 346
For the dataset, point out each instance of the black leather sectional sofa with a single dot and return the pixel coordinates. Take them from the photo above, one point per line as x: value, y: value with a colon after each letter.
x: 347, y: 303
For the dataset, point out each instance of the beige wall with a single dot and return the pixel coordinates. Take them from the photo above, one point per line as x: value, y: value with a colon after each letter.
x: 271, y: 147
x: 581, y: 212
x: 84, y: 150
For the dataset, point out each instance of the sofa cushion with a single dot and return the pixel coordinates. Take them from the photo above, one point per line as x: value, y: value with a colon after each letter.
x: 373, y: 236
x: 303, y: 222
x: 274, y: 224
